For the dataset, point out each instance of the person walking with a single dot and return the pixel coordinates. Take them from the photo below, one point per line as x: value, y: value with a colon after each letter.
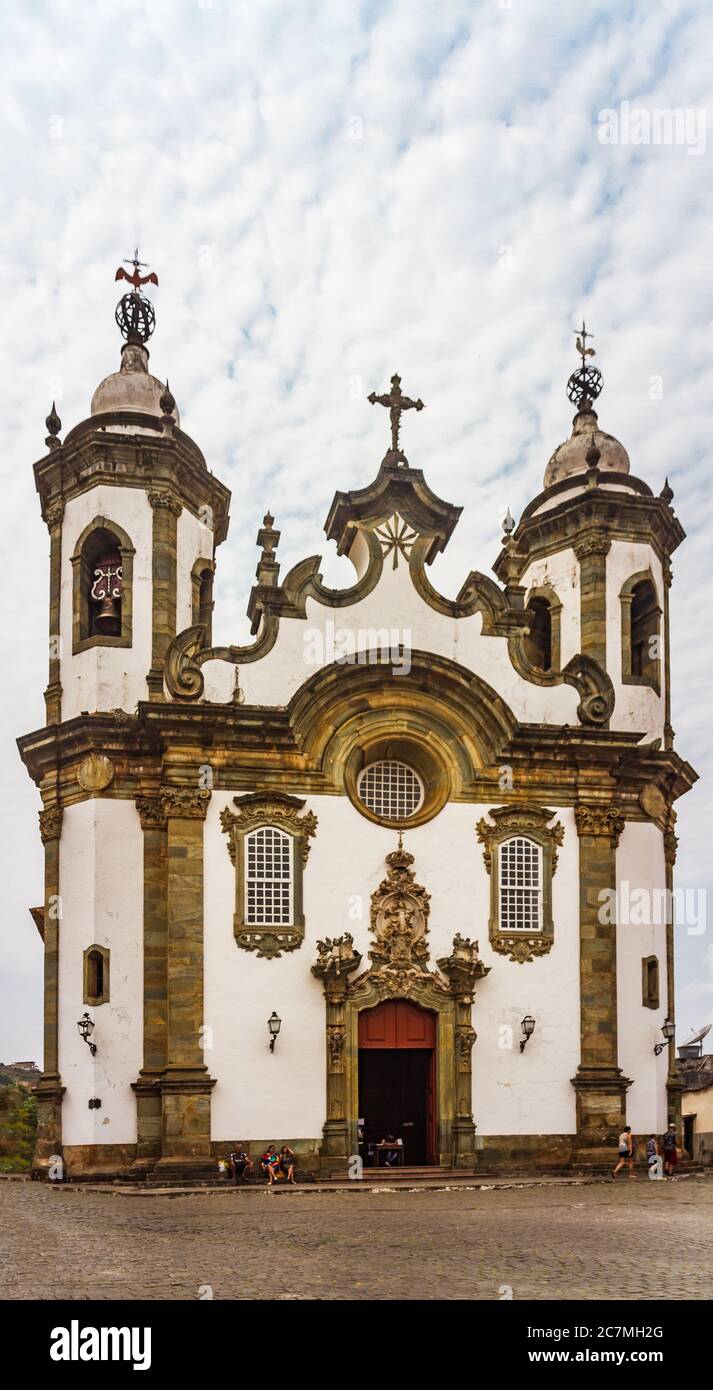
x: 626, y: 1152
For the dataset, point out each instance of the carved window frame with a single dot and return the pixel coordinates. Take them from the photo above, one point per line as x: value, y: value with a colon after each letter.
x: 89, y: 997
x: 82, y: 639
x: 650, y: 994
x: 548, y: 594
x: 521, y: 822
x: 626, y: 597
x: 278, y: 811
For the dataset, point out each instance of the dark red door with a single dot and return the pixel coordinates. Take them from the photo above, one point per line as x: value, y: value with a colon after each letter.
x: 397, y: 1048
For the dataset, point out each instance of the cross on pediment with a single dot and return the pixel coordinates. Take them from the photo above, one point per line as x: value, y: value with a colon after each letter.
x: 396, y: 403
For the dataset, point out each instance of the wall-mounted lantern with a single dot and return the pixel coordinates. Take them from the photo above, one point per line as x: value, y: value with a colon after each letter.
x: 668, y: 1029
x: 528, y: 1028
x: 274, y: 1024
x: 86, y: 1028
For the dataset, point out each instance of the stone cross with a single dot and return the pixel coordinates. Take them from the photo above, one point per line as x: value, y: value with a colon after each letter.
x: 396, y: 402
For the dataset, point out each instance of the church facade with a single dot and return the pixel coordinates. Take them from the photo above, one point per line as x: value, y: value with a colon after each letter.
x: 394, y: 867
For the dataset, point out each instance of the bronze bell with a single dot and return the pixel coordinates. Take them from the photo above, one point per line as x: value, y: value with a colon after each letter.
x: 106, y: 591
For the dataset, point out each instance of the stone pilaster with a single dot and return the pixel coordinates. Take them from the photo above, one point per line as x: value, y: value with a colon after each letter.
x: 53, y: 694
x: 462, y: 968
x: 49, y: 1090
x: 674, y: 1085
x: 166, y: 511
x: 599, y: 1083
x: 667, y: 728
x: 185, y: 1085
x: 591, y: 550
x: 155, y: 965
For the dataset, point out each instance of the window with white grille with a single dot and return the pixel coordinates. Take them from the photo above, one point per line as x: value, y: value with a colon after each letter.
x: 268, y: 877
x: 520, y: 885
x: 391, y: 789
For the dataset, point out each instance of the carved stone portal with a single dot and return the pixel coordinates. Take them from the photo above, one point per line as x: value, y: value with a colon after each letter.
x: 399, y: 968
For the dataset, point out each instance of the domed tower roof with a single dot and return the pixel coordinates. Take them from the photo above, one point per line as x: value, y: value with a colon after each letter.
x: 587, y: 446
x: 133, y: 387
x: 575, y: 454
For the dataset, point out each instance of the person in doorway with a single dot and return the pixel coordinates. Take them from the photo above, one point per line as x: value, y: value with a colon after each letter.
x: 287, y: 1163
x: 241, y: 1165
x: 670, y: 1151
x: 391, y: 1155
x: 626, y: 1152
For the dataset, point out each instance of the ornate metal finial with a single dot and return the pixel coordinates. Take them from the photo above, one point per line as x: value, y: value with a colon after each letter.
x: 396, y: 403
x: 54, y: 425
x: 585, y: 384
x: 134, y: 312
x: 508, y: 524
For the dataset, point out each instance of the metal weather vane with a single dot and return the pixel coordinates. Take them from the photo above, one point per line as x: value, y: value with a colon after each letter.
x: 135, y: 313
x: 585, y: 384
x: 136, y: 280
x: 396, y: 403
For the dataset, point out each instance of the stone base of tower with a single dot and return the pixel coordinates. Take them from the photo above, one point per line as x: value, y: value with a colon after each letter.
x: 601, y: 1112
x: 48, y: 1145
x: 185, y: 1123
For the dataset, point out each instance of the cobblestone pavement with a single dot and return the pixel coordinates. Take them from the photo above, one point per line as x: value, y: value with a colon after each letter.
x: 630, y: 1240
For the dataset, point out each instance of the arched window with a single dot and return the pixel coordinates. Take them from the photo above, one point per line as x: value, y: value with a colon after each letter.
x: 640, y: 632
x: 268, y: 877
x: 542, y: 643
x: 102, y: 564
x: 96, y: 975
x: 202, y: 587
x: 520, y: 870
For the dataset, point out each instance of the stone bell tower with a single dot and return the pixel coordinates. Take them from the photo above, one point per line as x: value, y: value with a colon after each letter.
x: 591, y: 555
x: 134, y: 517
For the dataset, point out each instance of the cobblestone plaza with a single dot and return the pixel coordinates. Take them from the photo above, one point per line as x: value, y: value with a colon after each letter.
x: 583, y: 1241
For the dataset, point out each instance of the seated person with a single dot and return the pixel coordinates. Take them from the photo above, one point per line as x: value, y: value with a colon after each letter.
x: 287, y: 1162
x: 241, y: 1165
x: 270, y: 1163
x: 391, y: 1156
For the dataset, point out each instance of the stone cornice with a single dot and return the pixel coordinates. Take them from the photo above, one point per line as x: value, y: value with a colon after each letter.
x: 396, y: 489
x: 95, y: 452
x: 601, y: 821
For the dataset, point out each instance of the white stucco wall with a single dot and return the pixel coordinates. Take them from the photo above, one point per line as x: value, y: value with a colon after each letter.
x: 104, y: 678
x: 396, y: 605
x: 640, y: 865
x: 259, y: 1095
x: 637, y: 706
x: 101, y: 892
x: 194, y: 542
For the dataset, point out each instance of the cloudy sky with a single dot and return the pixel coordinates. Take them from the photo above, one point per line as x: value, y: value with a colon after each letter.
x: 329, y: 193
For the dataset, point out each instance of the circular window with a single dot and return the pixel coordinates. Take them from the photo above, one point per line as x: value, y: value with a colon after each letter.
x: 390, y: 790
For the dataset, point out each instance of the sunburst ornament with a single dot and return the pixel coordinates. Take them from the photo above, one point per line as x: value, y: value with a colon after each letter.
x: 396, y: 537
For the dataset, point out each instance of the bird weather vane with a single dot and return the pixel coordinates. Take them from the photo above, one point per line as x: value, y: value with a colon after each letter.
x: 136, y: 280
x: 585, y: 383
x: 395, y: 403
x: 582, y: 348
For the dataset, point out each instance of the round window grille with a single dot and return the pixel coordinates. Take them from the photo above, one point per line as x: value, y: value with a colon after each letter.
x: 391, y: 790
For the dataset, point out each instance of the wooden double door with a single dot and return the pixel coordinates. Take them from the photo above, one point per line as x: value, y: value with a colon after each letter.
x: 397, y: 1052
